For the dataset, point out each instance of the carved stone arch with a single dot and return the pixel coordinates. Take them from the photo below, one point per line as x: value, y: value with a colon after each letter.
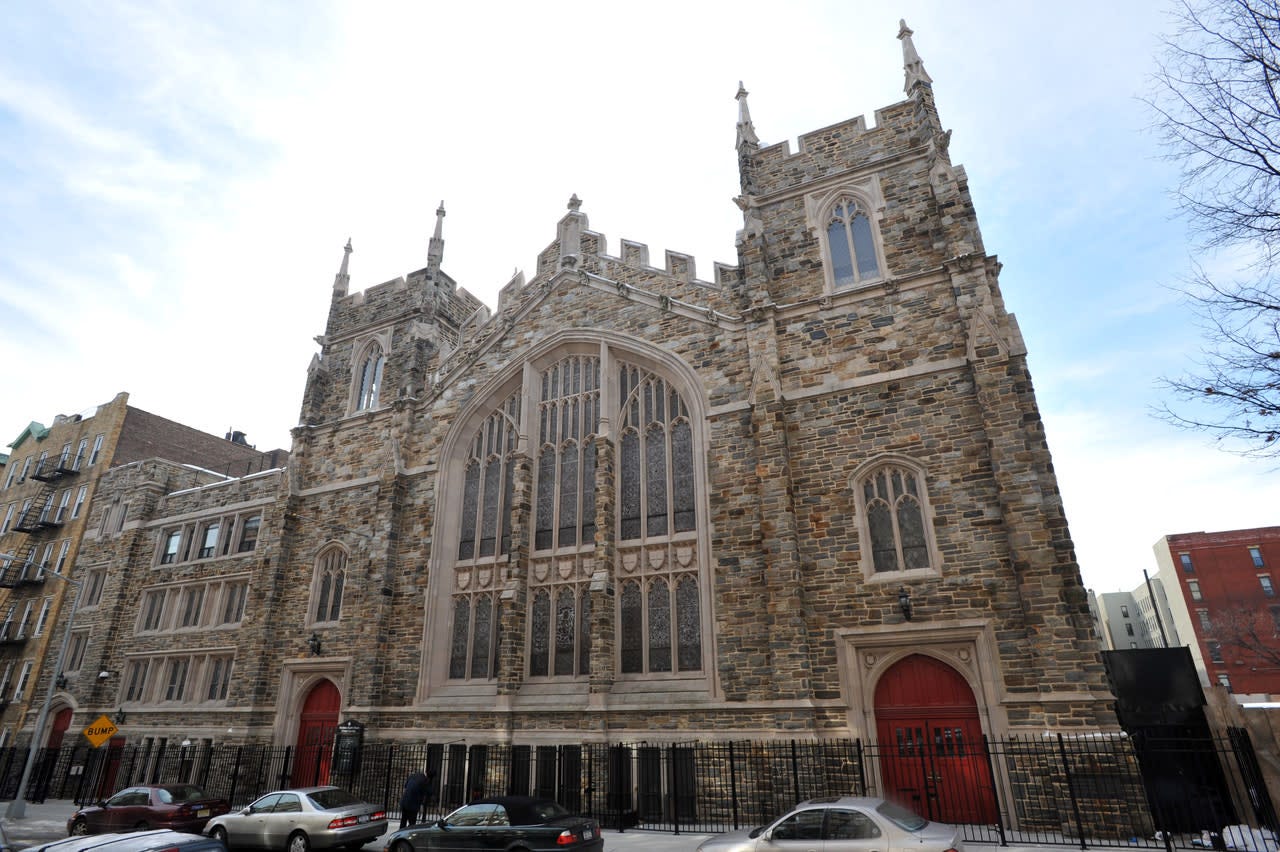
x: 818, y: 208
x: 857, y: 498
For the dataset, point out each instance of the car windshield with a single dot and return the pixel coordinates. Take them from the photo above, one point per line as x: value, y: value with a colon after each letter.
x: 180, y: 793
x: 901, y: 817
x: 327, y: 800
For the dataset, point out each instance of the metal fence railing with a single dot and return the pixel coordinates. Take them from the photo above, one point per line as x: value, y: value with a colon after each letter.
x: 1100, y: 790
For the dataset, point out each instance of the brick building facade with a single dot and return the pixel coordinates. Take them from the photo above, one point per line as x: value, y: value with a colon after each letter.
x: 1225, y: 606
x: 631, y: 503
x: 50, y: 481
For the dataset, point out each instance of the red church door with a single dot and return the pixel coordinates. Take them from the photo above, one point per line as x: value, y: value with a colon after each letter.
x: 931, y: 752
x: 316, y: 726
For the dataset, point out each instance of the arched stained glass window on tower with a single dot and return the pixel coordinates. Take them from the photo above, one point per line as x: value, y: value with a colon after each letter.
x: 484, y: 537
x: 370, y: 378
x: 893, y: 498
x: 660, y: 622
x: 564, y: 517
x: 326, y: 590
x: 851, y: 242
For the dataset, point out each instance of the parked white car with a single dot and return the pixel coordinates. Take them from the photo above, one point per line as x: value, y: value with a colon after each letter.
x: 843, y: 824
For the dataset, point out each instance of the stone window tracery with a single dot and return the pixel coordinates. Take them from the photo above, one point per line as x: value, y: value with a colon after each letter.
x: 369, y: 377
x: 851, y: 244
x: 327, y: 586
x: 659, y: 565
x: 897, y: 533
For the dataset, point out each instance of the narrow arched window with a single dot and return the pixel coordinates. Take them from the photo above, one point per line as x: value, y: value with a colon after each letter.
x: 897, y: 531
x: 369, y: 378
x: 326, y: 589
x: 851, y: 244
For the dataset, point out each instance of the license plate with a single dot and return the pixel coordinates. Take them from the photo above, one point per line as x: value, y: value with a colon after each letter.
x: 362, y: 818
x: 587, y: 834
x: 203, y: 812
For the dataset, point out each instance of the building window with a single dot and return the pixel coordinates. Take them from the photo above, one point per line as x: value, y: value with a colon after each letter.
x: 172, y: 541
x: 8, y: 518
x: 63, y: 502
x: 97, y: 450
x: 1128, y: 629
x: 26, y: 468
x: 80, y: 451
x: 1255, y: 553
x: 192, y: 604
x: 1205, y: 623
x: 326, y: 590
x: 1193, y: 586
x: 62, y: 554
x: 1264, y: 580
x: 152, y: 611
x: 75, y: 652
x: 249, y: 533
x: 1215, y: 651
x: 43, y: 617
x: 209, y: 545
x: 219, y: 678
x: 13, y: 471
x: 26, y: 617
x: 64, y: 458
x: 176, y: 682
x: 22, y: 680
x: 369, y: 377
x: 1124, y: 611
x: 75, y: 510
x: 1187, y: 567
x: 136, y: 680
x: 234, y: 595
x: 892, y: 504
x: 1225, y: 681
x: 851, y: 243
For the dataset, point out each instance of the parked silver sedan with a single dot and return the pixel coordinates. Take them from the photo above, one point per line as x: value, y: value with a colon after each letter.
x: 300, y: 820
x: 843, y: 824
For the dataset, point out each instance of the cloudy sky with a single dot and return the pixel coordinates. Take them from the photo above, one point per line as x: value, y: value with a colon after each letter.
x: 178, y: 180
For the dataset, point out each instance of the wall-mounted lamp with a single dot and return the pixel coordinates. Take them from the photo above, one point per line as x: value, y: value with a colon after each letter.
x: 104, y: 674
x: 60, y: 681
x: 904, y: 602
x: 314, y: 644
x: 120, y: 716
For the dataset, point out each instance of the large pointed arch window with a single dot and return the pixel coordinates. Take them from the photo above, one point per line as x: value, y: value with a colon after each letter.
x: 851, y: 243
x: 484, y: 538
x: 897, y: 534
x: 327, y: 585
x: 369, y: 377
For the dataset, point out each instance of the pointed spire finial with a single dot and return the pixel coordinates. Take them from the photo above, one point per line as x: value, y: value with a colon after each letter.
x: 911, y: 61
x: 746, y: 130
x: 342, y: 279
x: 435, y: 247
x: 575, y: 202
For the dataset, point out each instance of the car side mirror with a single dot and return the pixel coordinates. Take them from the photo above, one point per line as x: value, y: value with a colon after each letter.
x: 442, y: 823
x: 248, y: 810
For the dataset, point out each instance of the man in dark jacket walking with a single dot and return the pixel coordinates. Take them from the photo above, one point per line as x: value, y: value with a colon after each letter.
x: 417, y: 789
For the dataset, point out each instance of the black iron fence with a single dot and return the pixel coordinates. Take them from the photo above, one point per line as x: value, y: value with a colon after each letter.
x: 1090, y: 790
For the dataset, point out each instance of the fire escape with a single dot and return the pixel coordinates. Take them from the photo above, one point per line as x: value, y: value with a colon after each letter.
x: 21, y: 567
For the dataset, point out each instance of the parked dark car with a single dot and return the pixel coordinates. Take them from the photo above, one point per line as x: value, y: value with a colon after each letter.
x: 502, y: 822
x: 301, y: 819
x: 162, y: 840
x: 181, y: 807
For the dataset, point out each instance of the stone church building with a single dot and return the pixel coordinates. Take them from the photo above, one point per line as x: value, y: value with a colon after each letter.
x: 808, y: 495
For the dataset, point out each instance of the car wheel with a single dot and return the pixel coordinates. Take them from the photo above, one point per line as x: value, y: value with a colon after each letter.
x: 298, y: 842
x: 220, y: 834
x: 402, y: 846
x: 79, y: 828
x: 142, y: 825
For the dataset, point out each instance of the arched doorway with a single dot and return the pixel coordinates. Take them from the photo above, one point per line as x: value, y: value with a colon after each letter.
x: 317, y: 724
x: 931, y: 750
x: 52, y: 751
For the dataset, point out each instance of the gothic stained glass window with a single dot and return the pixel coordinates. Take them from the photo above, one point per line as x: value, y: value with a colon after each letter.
x: 487, y: 485
x: 659, y: 627
x: 539, y: 632
x: 688, y: 625
x: 851, y: 244
x: 891, y: 496
x: 331, y: 570
x: 631, y: 634
x: 370, y: 378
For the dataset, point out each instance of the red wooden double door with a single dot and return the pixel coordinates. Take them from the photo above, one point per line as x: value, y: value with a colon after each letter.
x: 317, y: 724
x: 932, y: 757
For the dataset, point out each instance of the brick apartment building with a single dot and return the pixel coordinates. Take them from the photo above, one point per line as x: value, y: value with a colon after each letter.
x: 48, y: 481
x: 809, y: 495
x: 1223, y: 599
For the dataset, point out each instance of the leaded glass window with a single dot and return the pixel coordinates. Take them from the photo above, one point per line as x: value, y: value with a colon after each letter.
x: 893, y: 499
x: 564, y: 513
x: 370, y: 378
x: 331, y: 571
x: 851, y: 243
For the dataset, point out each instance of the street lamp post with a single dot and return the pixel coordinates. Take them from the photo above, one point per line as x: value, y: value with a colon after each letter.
x: 18, y: 807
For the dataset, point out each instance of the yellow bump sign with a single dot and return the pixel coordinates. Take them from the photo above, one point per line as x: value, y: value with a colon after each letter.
x: 100, y: 731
